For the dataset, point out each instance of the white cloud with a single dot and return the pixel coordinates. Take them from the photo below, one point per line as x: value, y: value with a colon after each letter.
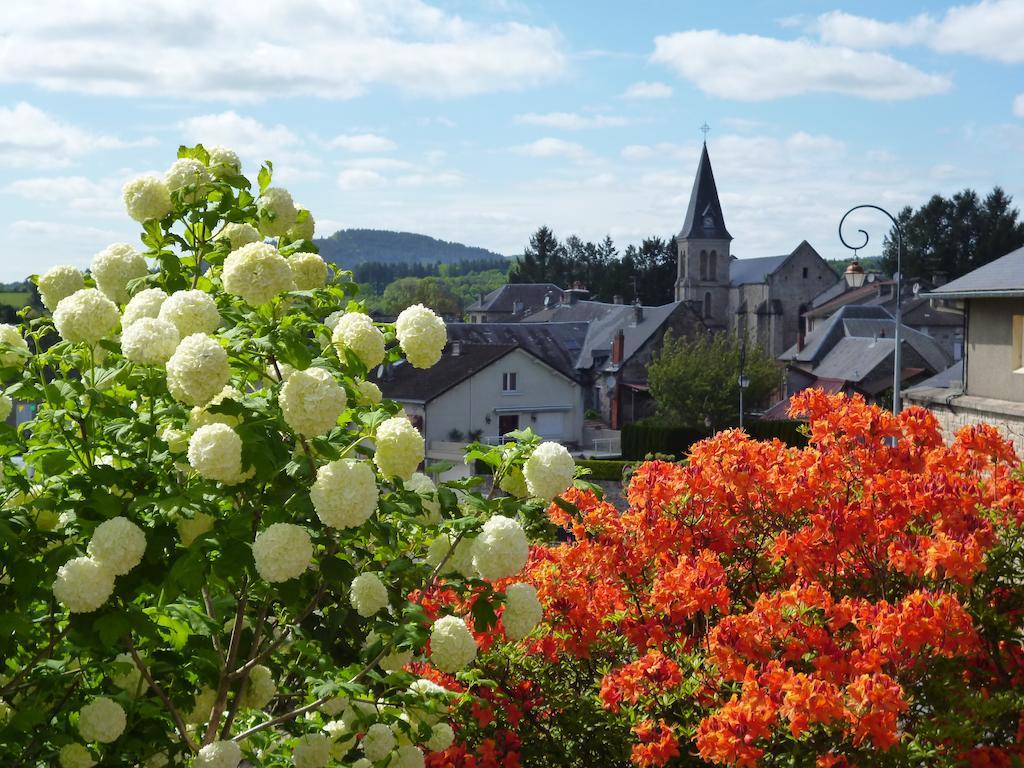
x: 359, y: 178
x: 646, y: 90
x: 245, y: 135
x: 442, y: 179
x: 850, y: 31
x: 756, y: 68
x: 380, y: 164
x: 75, y: 194
x: 362, y: 142
x: 1018, y: 105
x: 664, y: 150
x: 551, y: 147
x: 29, y: 137
x: 237, y: 50
x: 571, y: 120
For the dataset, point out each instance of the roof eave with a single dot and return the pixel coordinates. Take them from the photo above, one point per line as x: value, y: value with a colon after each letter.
x: 1009, y: 293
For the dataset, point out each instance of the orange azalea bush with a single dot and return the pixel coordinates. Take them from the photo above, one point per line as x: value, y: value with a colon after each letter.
x: 853, y: 603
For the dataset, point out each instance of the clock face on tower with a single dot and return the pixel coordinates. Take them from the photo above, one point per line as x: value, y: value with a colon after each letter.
x: 709, y: 222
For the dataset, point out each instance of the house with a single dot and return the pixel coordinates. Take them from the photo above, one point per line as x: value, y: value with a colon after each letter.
x: 512, y: 302
x: 852, y: 351
x: 481, y: 392
x: 763, y: 297
x: 989, y: 386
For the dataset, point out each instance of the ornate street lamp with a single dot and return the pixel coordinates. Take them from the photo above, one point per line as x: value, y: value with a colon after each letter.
x: 897, y: 357
x: 744, y: 380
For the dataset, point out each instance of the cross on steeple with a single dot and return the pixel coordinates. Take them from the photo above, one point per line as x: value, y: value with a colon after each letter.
x: 704, y: 129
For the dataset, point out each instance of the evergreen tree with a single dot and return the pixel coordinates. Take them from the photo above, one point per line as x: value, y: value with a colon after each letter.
x: 542, y: 261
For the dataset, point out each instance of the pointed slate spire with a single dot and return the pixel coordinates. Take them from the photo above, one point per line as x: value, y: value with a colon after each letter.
x: 704, y: 219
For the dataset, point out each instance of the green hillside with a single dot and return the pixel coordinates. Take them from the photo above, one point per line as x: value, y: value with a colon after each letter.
x: 349, y: 247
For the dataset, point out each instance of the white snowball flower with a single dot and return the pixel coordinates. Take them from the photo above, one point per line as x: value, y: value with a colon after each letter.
x: 197, y: 370
x: 146, y: 198
x: 114, y: 267
x: 224, y: 162
x: 145, y: 303
x: 83, y: 584
x: 312, y: 401
x: 395, y: 660
x: 6, y: 406
x: 276, y: 211
x: 452, y: 645
x: 460, y: 562
x: 257, y: 273
x: 369, y: 393
x: 75, y: 755
x: 513, y: 482
x: 201, y: 416
x: 215, y: 452
x: 85, y: 316
x: 344, y: 493
x: 191, y: 312
x: 334, y: 705
x: 176, y: 439
x: 408, y: 756
x: 191, y: 528
x: 101, y: 720
x: 129, y: 678
x: 501, y: 549
x: 441, y: 737
x: 260, y: 689
x: 238, y: 235
x: 189, y: 175
x: 425, y: 488
x: 421, y: 334
x: 149, y: 341
x: 312, y: 751
x: 282, y: 551
x: 58, y: 283
x: 219, y: 754
x: 548, y: 471
x: 11, y: 336
x: 399, y: 448
x: 304, y: 226
x: 368, y: 594
x: 118, y: 544
x: 309, y: 271
x: 523, y: 611
x: 356, y: 331
x: 202, y: 707
x: 378, y: 742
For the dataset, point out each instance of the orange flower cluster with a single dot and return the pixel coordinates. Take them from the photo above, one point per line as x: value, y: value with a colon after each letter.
x: 835, y: 600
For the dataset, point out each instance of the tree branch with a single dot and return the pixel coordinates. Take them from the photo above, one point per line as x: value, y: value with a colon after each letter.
x: 179, y: 722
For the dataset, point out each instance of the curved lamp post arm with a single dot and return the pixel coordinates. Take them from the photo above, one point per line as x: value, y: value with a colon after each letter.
x: 897, y: 358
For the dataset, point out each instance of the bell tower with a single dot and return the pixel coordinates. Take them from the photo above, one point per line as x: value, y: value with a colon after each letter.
x: 703, y: 249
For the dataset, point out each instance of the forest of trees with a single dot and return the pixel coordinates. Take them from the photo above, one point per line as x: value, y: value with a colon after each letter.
x: 350, y: 247
x: 647, y: 272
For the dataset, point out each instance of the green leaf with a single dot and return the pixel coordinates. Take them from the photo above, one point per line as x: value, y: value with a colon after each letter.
x: 265, y: 175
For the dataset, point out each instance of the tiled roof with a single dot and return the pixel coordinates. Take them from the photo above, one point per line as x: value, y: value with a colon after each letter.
x: 403, y: 382
x: 744, y: 271
x: 557, y: 344
x: 1002, y: 277
x: 503, y: 298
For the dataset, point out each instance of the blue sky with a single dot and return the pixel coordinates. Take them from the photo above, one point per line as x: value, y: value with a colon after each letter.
x: 480, y: 121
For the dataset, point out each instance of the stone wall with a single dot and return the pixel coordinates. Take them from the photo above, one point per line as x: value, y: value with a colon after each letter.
x: 955, y: 412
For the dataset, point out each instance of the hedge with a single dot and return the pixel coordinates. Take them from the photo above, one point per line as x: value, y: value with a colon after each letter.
x: 647, y: 436
x: 603, y: 469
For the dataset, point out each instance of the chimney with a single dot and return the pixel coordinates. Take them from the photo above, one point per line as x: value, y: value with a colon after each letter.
x: 571, y: 297
x: 517, y: 307
x: 638, y: 313
x: 617, y: 299
x: 618, y: 343
x: 455, y: 348
x: 547, y: 299
x: 482, y: 297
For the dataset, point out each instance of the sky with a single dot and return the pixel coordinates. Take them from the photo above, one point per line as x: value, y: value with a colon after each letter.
x: 480, y: 121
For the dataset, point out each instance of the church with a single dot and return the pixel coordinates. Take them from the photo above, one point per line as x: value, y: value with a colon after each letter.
x: 763, y: 296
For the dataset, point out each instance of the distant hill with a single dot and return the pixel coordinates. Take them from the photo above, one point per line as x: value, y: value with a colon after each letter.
x: 350, y: 247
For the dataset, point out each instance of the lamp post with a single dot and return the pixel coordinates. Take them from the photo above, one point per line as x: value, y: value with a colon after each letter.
x: 744, y: 380
x: 897, y: 357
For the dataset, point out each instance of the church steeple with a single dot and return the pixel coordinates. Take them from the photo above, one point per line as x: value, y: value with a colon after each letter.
x: 704, y: 219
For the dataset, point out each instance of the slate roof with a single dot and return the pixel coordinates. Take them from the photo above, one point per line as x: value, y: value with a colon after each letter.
x: 951, y: 378
x: 403, y: 382
x: 704, y: 203
x: 1002, y: 277
x: 557, y: 344
x: 503, y: 298
x: 744, y: 271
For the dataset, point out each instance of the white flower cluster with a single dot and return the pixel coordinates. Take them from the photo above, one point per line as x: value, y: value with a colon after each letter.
x: 58, y: 283
x: 191, y: 528
x: 197, y: 370
x: 11, y: 336
x: 257, y: 273
x: 224, y: 162
x: 149, y: 341
x: 441, y: 737
x: 424, y: 487
x: 260, y: 688
x: 399, y: 448
x: 146, y: 198
x: 407, y: 756
x: 312, y: 751
x: 202, y: 707
x: 114, y: 267
x: 304, y: 226
x: 83, y: 585
x: 86, y: 316
x: 378, y: 742
x: 101, y: 720
x: 421, y: 334
x: 312, y: 401
x: 130, y: 679
x: 452, y: 645
x: 523, y: 611
x: 514, y: 483
x: 188, y: 175
x: 344, y: 493
x: 277, y: 211
x: 145, y: 303
x: 549, y: 471
x: 309, y: 271
x: 118, y: 544
x: 369, y: 393
x: 219, y: 754
x: 368, y: 594
x: 74, y: 755
x: 282, y: 551
x: 356, y: 331
x: 460, y: 562
x: 215, y: 452
x: 238, y: 235
x: 6, y: 406
x: 501, y: 549
x: 191, y: 312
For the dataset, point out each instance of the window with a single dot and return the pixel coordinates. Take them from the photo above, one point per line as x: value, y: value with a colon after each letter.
x: 1017, y: 360
x: 707, y: 304
x: 713, y: 266
x: 805, y: 273
x: 508, y: 382
x: 703, y: 265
